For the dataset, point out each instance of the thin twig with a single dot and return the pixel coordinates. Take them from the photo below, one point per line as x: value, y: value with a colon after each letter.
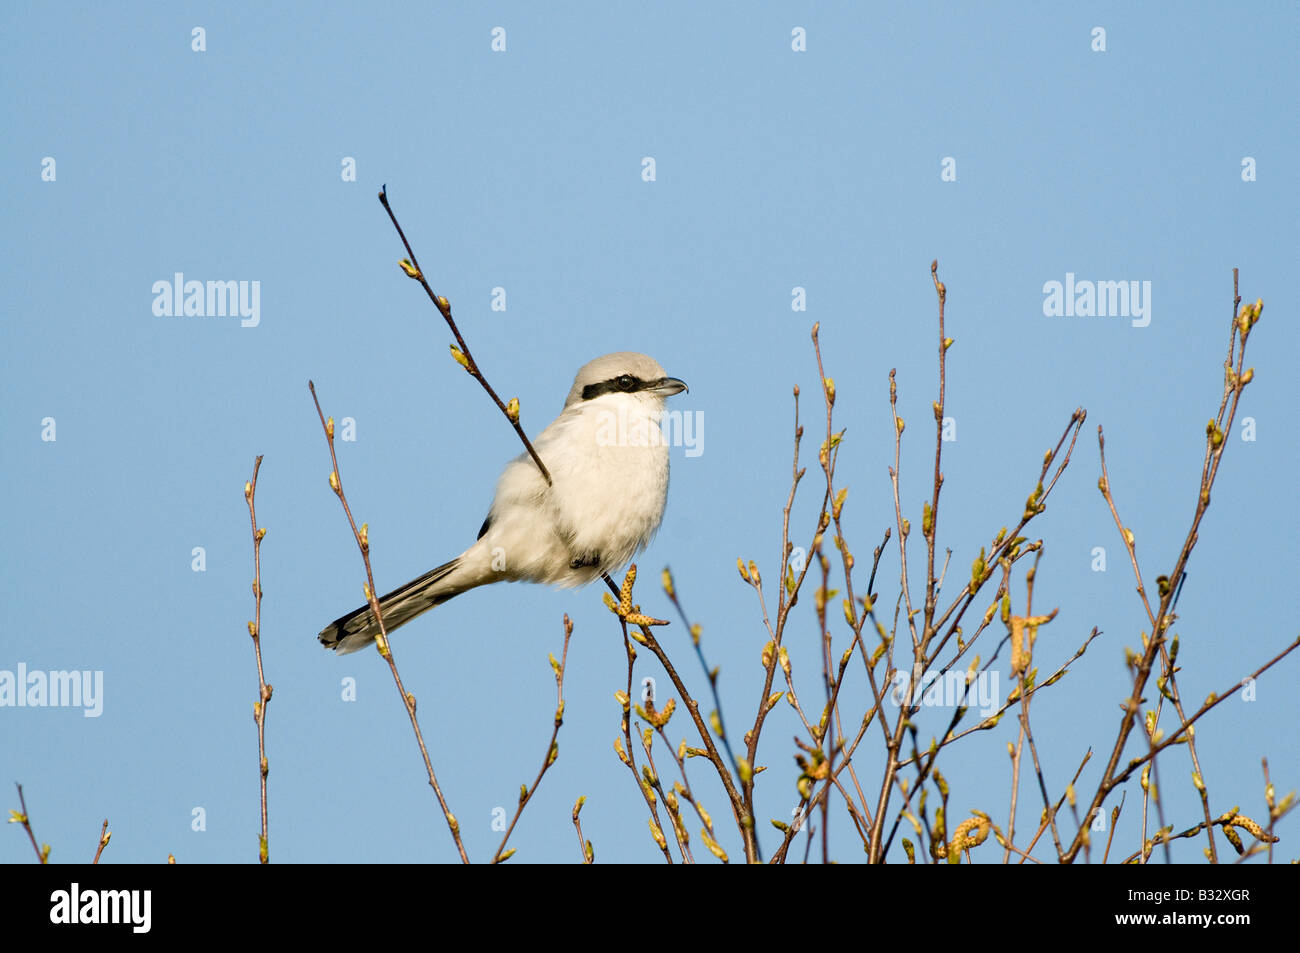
x: 828, y: 460
x: 929, y: 527
x: 1114, y: 822
x: 470, y: 365
x: 1211, y: 703
x: 650, y: 772
x: 381, y: 642
x: 1236, y: 377
x: 552, y: 749
x: 682, y: 788
x: 1228, y: 821
x: 104, y: 835
x: 20, y: 817
x: 743, y: 815
x: 588, y: 852
x: 670, y: 589
x: 255, y: 630
x: 922, y: 641
x: 627, y: 754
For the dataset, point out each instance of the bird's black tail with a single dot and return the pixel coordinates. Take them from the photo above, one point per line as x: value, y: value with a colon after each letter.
x: 358, y: 628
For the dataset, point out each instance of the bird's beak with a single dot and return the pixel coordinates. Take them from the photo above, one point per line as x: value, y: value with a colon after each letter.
x: 667, y: 386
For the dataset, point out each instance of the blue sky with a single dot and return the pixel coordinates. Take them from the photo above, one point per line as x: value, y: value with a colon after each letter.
x: 522, y: 169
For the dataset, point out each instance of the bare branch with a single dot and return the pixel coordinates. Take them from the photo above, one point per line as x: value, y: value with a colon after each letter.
x: 381, y: 642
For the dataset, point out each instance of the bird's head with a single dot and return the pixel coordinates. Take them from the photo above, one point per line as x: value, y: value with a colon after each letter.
x: 623, y: 372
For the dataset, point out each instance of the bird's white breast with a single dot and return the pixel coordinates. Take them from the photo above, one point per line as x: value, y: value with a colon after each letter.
x: 609, y: 467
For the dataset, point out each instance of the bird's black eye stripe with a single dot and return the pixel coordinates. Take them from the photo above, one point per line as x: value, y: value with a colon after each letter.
x: 623, y: 384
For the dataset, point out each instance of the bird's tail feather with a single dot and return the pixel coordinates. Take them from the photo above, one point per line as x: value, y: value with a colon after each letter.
x: 358, y: 628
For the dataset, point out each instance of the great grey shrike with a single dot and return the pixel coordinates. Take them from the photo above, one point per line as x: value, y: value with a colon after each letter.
x: 608, y: 462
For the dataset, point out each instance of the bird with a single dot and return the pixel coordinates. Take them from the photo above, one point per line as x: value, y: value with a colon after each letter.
x: 608, y: 461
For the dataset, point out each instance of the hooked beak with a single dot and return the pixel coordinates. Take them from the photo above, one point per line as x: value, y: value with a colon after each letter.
x: 667, y: 386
